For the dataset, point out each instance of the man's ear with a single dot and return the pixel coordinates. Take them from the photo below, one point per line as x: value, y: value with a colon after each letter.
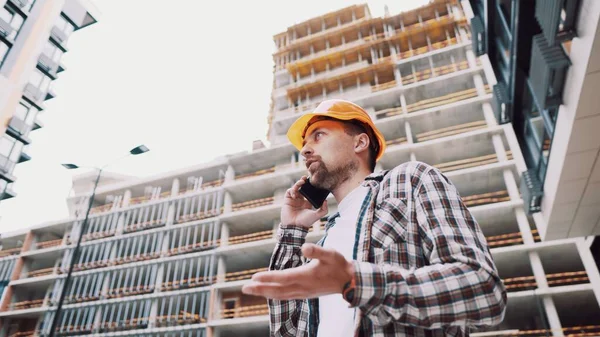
x: 361, y: 143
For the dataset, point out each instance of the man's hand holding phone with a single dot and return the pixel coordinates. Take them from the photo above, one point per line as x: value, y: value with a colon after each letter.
x: 298, y: 211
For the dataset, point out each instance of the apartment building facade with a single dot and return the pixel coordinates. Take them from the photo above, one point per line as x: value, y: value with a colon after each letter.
x: 34, y: 36
x: 168, y: 255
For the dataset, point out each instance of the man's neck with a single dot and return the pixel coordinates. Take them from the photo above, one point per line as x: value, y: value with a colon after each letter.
x: 340, y: 192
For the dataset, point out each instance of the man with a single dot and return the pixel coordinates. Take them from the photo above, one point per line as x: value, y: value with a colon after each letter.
x: 402, y: 256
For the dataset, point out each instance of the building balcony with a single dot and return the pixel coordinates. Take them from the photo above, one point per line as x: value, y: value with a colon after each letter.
x: 49, y: 244
x: 47, y: 65
x: 5, y: 29
x: 19, y: 129
x: 34, y: 94
x: 59, y: 37
x: 21, y: 3
x: 10, y: 252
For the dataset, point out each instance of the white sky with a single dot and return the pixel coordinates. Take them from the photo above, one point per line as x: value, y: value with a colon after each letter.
x: 190, y: 81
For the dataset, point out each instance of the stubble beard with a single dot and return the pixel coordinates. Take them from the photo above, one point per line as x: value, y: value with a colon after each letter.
x: 331, y: 179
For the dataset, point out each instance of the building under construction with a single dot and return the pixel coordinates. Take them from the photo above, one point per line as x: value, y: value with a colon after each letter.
x: 168, y: 255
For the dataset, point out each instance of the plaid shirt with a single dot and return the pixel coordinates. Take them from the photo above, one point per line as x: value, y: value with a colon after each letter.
x: 423, y: 266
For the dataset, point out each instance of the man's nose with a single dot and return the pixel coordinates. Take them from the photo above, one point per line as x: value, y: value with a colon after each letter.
x: 306, y: 150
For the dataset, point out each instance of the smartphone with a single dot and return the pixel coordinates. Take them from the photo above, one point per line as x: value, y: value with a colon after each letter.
x: 316, y: 196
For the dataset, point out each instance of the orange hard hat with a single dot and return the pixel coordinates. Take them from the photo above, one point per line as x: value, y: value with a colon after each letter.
x: 341, y: 110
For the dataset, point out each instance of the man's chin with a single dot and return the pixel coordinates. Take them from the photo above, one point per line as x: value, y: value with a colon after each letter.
x: 315, y: 180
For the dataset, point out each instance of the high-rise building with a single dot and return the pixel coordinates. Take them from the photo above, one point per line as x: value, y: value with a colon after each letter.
x: 168, y: 255
x: 546, y: 58
x: 33, y: 37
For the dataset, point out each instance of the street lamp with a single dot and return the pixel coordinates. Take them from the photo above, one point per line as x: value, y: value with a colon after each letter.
x: 69, y: 166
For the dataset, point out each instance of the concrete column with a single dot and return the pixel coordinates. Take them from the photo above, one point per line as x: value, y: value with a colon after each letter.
x: 590, y: 266
x: 514, y: 146
x: 227, y: 203
x: 229, y: 174
x: 164, y: 248
x: 471, y: 59
x: 403, y: 103
x: 524, y: 227
x: 153, y: 313
x: 175, y: 187
x: 27, y: 242
x: 120, y: 224
x: 397, y: 76
x: 407, y: 129
x: 538, y: 270
x: 488, y: 114
x: 511, y: 184
x: 224, y: 234
x: 479, y: 84
x: 463, y: 34
x: 221, y: 270
x: 552, y: 315
x: 126, y: 198
x: 170, y: 215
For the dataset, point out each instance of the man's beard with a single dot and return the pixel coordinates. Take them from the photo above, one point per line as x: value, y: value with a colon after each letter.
x: 327, y: 179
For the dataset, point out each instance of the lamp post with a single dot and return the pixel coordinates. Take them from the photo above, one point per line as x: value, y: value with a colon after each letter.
x: 135, y: 151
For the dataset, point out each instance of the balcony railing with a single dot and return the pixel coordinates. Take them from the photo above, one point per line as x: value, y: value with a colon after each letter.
x: 451, y: 131
x: 258, y: 236
x: 510, y: 239
x: 246, y: 311
x: 431, y: 102
x: 41, y: 272
x: 252, y: 204
x: 437, y: 71
x: 242, y: 275
x: 48, y: 244
x: 130, y: 291
x: 27, y: 304
x: 192, y: 282
x: 34, y: 93
x: 470, y: 162
x: 5, y: 28
x: 179, y: 319
x: 58, y: 35
x: 255, y: 173
x: 396, y: 141
x: 46, y: 63
x: 558, y: 279
x: 9, y: 252
x: 485, y: 198
x: 28, y: 333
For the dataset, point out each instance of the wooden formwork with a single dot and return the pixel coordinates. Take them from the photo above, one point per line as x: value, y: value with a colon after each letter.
x: 557, y: 279
x: 48, y: 244
x: 245, y: 311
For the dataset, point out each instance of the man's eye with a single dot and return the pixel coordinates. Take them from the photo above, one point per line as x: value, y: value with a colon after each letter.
x: 318, y: 135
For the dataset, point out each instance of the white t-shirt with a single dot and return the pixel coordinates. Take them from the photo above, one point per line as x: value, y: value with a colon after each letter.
x: 335, y: 317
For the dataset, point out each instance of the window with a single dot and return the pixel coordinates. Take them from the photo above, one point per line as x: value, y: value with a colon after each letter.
x: 65, y: 26
x: 52, y: 51
x: 13, y: 18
